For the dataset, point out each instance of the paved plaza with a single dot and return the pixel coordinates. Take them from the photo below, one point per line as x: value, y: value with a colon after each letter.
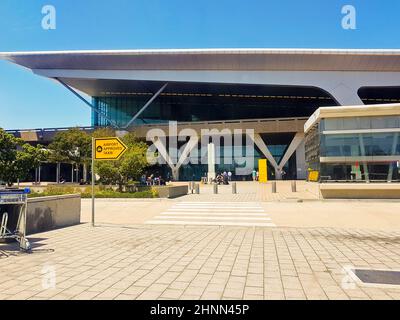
x: 198, y: 262
x: 208, y: 246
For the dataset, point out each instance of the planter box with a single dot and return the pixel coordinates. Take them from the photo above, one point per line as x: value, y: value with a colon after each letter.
x: 53, y: 212
x: 360, y: 191
x: 171, y: 191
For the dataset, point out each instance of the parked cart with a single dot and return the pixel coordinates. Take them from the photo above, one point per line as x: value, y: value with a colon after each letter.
x: 13, y: 205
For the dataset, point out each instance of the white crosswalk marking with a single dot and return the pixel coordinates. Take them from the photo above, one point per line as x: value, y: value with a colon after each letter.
x: 215, y: 213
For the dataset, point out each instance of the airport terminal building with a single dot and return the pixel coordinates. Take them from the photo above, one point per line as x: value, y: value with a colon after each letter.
x: 271, y: 91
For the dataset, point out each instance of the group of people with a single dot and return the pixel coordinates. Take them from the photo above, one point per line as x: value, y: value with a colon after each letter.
x: 152, y: 180
x: 255, y: 174
x: 223, y: 178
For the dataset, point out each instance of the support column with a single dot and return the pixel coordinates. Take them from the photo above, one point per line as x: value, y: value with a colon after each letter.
x: 211, y: 161
x: 345, y: 94
x: 77, y: 173
x: 394, y: 145
x: 175, y: 173
x: 301, y: 169
x: 362, y: 149
x: 58, y: 172
x: 84, y: 172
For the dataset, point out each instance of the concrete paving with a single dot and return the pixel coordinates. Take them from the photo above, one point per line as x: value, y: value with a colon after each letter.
x: 197, y: 262
x: 212, y: 247
x: 255, y: 191
x: 372, y: 215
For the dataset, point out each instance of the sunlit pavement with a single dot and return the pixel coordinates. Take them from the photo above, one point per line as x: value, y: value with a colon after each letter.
x: 221, y: 249
x: 197, y: 262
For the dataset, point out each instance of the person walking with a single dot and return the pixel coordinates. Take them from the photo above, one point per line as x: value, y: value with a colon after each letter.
x: 229, y: 176
x: 254, y: 174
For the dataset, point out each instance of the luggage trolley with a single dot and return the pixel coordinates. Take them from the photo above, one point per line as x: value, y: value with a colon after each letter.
x: 13, y: 222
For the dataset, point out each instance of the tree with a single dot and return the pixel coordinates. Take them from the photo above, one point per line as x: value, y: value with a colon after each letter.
x: 72, y: 146
x: 17, y: 158
x: 129, y: 167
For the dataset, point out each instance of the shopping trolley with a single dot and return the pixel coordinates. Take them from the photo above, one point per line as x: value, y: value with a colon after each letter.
x: 13, y: 205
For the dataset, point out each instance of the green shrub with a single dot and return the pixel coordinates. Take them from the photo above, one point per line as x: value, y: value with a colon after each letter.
x: 116, y: 194
x: 100, y: 192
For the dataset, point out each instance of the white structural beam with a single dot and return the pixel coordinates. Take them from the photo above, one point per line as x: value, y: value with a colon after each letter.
x: 146, y: 105
x: 211, y: 162
x: 190, y: 145
x: 297, y: 140
x: 265, y: 151
x: 112, y: 122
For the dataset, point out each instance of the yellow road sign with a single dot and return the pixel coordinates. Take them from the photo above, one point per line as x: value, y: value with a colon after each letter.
x: 313, y: 175
x: 109, y: 148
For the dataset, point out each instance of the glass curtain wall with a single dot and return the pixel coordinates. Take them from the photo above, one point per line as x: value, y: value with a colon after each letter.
x: 355, y: 149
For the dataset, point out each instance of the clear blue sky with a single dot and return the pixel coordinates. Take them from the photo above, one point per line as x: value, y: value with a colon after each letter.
x: 29, y: 101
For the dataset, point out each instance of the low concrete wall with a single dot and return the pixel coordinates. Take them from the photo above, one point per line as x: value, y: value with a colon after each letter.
x: 48, y: 213
x: 360, y: 191
x: 171, y: 191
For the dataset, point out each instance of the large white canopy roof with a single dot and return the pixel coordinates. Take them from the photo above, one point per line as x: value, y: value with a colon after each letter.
x: 212, y: 59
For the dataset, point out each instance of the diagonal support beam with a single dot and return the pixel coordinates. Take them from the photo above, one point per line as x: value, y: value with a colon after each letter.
x: 298, y: 138
x: 112, y: 122
x: 146, y: 105
x: 191, y: 144
x: 264, y: 149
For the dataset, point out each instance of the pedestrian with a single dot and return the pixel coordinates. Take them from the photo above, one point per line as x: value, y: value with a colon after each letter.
x: 229, y: 176
x: 254, y: 174
x: 257, y: 175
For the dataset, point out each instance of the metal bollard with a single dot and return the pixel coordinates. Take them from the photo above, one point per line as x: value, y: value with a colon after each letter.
x: 233, y: 187
x: 215, y: 188
x: 273, y: 186
x: 197, y: 188
x: 294, y: 186
x: 190, y: 187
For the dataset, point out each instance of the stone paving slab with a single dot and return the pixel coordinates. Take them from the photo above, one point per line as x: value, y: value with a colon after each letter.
x: 197, y: 262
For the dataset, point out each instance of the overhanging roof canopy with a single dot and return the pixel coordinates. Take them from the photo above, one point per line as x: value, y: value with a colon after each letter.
x: 212, y: 59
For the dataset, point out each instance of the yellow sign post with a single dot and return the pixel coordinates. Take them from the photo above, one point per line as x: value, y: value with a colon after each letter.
x: 105, y: 149
x: 262, y: 170
x: 109, y: 148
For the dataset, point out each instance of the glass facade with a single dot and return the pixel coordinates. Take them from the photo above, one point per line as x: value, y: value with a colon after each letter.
x: 207, y: 102
x: 190, y: 102
x: 192, y: 171
x: 355, y: 149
